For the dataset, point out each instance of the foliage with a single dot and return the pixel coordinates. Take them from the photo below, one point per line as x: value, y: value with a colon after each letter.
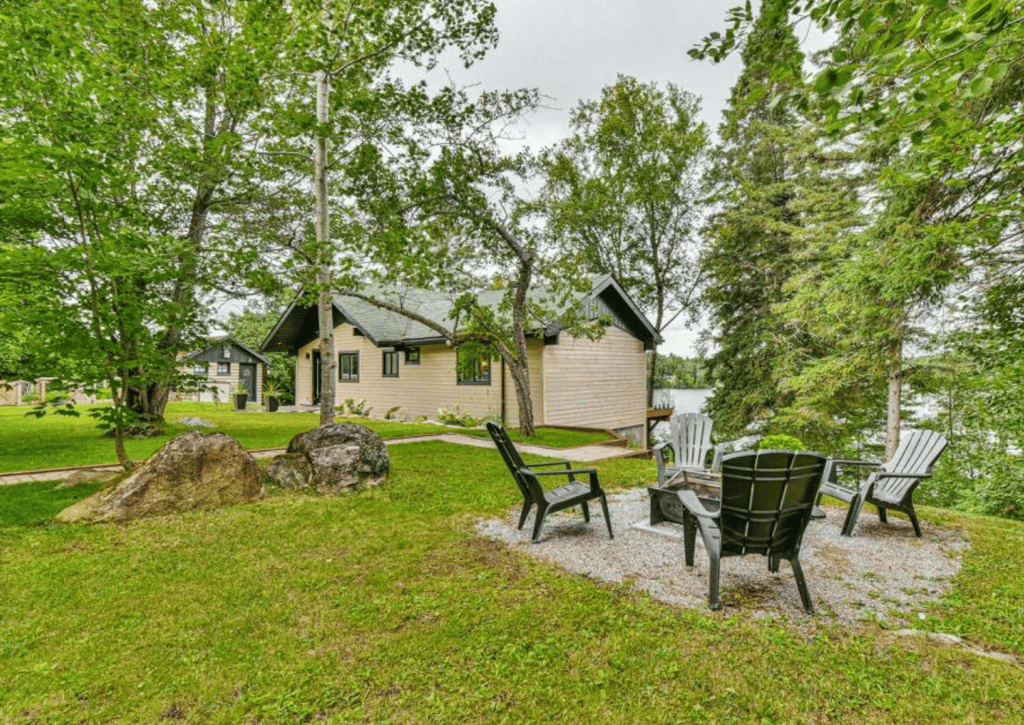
x: 622, y: 193
x: 392, y: 413
x: 356, y: 408
x: 457, y: 417
x: 673, y: 371
x: 751, y: 245
x: 413, y: 618
x: 781, y: 441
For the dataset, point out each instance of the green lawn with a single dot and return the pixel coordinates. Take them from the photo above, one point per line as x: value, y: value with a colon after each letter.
x: 28, y: 443
x: 383, y: 607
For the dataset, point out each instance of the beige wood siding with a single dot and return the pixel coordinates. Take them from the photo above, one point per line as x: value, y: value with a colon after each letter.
x: 599, y: 384
x: 419, y: 390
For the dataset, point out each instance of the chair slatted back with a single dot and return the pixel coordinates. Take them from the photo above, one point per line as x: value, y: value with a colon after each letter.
x: 528, y: 485
x: 691, y: 437
x: 917, y: 453
x: 767, y: 498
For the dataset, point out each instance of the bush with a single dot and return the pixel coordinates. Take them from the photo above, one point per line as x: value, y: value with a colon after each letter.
x: 780, y: 440
x: 457, y: 418
x: 390, y: 415
x: 358, y: 409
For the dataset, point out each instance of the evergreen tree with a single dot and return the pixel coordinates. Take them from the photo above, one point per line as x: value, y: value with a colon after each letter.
x: 749, y: 254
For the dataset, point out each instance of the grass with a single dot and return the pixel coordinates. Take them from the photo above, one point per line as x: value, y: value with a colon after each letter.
x: 383, y: 607
x: 58, y: 441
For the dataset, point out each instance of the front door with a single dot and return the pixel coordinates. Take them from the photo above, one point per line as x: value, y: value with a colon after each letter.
x: 316, y: 377
x: 247, y: 376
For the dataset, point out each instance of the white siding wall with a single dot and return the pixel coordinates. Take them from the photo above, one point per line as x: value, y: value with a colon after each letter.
x: 598, y: 384
x: 418, y: 389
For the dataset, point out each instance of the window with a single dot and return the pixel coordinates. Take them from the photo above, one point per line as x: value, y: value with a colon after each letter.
x: 412, y: 356
x: 223, y: 368
x: 390, y: 368
x: 348, y: 367
x: 201, y: 368
x: 472, y: 369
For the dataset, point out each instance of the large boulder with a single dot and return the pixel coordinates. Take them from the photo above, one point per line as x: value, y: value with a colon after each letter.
x: 333, y: 458
x: 191, y: 471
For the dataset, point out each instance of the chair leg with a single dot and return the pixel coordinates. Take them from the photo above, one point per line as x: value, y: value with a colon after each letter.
x: 801, y: 583
x: 586, y: 512
x: 527, y: 505
x: 852, y: 514
x: 881, y: 515
x: 689, y: 537
x: 714, y: 565
x: 773, y: 563
x: 913, y: 519
x: 607, y: 518
x: 538, y: 522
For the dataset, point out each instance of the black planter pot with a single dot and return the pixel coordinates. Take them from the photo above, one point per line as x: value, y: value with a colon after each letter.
x: 272, y: 403
x: 240, y: 400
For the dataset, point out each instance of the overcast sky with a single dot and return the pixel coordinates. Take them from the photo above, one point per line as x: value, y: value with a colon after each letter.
x: 570, y: 49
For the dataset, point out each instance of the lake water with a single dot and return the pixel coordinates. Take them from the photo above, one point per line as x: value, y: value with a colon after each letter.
x: 684, y: 400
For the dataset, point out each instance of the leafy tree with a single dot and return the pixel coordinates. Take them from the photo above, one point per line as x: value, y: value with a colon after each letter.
x: 931, y: 89
x: 450, y: 212
x: 351, y: 53
x: 132, y: 143
x: 751, y: 251
x: 622, y: 192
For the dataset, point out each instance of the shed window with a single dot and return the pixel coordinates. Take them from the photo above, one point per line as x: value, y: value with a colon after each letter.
x: 412, y: 356
x: 390, y: 365
x: 348, y: 367
x: 472, y: 369
x: 223, y: 368
x: 201, y: 368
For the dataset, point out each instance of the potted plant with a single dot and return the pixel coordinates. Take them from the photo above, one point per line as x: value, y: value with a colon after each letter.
x: 270, y: 396
x: 241, y: 396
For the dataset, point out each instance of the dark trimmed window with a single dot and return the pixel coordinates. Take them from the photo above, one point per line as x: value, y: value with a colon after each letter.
x: 390, y: 365
x: 201, y: 368
x: 412, y: 356
x: 472, y: 369
x: 348, y: 367
x: 223, y: 368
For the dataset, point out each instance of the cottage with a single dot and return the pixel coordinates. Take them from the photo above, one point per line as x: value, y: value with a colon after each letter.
x: 393, y: 362
x: 218, y: 368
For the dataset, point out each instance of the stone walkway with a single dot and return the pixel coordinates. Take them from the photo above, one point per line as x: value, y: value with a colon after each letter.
x: 579, y: 454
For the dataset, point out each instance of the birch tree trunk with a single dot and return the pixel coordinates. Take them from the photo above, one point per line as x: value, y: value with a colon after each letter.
x: 892, y: 417
x: 325, y: 300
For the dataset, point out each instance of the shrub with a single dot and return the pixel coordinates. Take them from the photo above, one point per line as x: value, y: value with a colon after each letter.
x: 457, y: 418
x: 390, y: 415
x: 780, y: 440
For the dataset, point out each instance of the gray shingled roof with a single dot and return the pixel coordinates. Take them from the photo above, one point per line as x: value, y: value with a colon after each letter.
x: 385, y: 328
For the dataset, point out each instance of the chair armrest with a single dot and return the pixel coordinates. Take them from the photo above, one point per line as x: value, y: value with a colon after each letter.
x: 854, y: 462
x: 894, y: 474
x: 561, y: 473
x: 659, y: 458
x: 694, y: 506
x: 595, y: 487
x: 553, y: 463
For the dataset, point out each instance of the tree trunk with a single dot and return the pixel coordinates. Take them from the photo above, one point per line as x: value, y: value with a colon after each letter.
x: 892, y: 418
x: 325, y: 305
x: 652, y: 359
x: 519, y: 371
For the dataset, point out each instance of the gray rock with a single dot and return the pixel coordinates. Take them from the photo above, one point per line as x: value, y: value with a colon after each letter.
x: 291, y: 470
x: 196, y: 422
x: 332, y: 458
x: 191, y: 471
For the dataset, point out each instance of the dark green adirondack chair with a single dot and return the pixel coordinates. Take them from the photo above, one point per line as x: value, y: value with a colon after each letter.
x: 573, y: 493
x: 892, y: 485
x: 766, y: 503
x: 689, y: 441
